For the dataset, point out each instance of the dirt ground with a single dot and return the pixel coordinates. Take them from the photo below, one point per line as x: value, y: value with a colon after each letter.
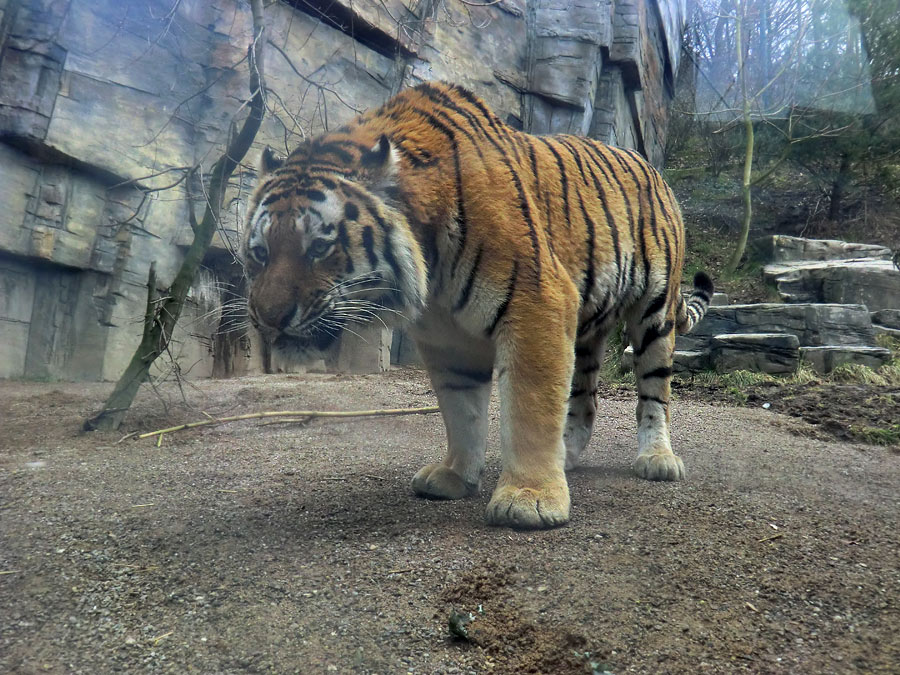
x: 260, y: 547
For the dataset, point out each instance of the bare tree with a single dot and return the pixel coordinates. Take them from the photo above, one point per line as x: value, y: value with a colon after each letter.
x: 774, y: 64
x: 164, y: 309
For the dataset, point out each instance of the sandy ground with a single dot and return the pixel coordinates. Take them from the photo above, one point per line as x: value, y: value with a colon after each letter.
x: 283, y: 548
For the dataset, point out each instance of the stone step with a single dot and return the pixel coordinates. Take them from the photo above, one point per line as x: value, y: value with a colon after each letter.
x: 826, y: 358
x: 813, y: 324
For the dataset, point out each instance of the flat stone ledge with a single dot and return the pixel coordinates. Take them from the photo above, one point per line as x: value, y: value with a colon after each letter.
x: 827, y: 358
x: 773, y: 353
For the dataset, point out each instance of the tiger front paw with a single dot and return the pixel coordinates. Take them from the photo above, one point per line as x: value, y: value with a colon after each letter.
x: 529, y: 508
x: 437, y: 481
x: 659, y: 466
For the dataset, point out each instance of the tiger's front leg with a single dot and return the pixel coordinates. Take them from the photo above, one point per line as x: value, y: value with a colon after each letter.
x: 461, y: 370
x: 535, y: 349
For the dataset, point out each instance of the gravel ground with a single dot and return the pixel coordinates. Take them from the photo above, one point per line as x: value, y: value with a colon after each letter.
x: 257, y: 547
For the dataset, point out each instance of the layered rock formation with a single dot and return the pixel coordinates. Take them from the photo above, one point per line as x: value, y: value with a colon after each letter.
x: 103, y: 103
x: 835, y: 303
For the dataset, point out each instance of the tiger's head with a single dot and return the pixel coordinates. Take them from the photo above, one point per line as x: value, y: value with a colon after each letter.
x: 327, y: 245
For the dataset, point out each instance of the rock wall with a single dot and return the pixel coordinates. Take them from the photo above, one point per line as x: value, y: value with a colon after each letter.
x: 104, y: 102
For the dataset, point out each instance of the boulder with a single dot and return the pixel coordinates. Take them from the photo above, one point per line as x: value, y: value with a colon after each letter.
x: 874, y: 283
x: 813, y: 324
x: 774, y: 353
x: 827, y: 358
x: 779, y: 248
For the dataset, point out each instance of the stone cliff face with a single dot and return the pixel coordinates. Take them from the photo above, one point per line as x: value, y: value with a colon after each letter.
x: 103, y: 102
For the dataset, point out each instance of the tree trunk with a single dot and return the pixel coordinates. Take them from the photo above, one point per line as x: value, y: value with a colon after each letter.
x: 838, y: 188
x: 163, y: 312
x: 746, y: 181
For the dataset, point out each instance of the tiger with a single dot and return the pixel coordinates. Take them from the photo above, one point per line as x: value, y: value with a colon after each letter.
x: 499, y: 251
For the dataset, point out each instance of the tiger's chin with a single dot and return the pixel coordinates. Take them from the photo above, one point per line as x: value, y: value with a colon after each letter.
x: 306, y: 349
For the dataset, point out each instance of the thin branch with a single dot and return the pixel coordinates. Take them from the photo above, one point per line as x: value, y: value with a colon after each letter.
x: 387, y: 412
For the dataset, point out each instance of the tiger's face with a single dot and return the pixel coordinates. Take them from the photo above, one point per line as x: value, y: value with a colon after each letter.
x: 325, y: 250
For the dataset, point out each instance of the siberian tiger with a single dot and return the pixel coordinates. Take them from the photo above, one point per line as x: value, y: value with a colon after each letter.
x: 501, y: 251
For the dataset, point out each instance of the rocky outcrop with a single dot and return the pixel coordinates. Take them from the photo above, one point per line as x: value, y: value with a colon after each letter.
x: 829, y: 271
x: 102, y: 103
x: 779, y: 248
x: 872, y: 282
x: 813, y: 324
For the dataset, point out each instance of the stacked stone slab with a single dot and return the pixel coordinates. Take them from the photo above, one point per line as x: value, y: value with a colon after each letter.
x: 828, y: 288
x: 773, y: 337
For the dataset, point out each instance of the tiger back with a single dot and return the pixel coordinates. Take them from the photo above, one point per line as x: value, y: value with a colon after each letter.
x: 499, y: 251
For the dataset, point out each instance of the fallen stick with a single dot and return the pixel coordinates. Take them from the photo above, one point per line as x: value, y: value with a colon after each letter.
x: 289, y: 413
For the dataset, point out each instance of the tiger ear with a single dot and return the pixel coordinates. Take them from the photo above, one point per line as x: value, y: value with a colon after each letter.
x: 381, y: 159
x: 268, y: 162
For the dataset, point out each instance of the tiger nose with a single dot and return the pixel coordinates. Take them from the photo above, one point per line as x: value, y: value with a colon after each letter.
x: 276, y: 317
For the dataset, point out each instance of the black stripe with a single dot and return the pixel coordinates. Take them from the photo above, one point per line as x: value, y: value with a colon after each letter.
x: 410, y: 156
x: 440, y: 97
x: 658, y: 303
x: 510, y: 289
x: 563, y: 177
x: 662, y: 372
x: 315, y: 195
x: 592, y: 368
x: 345, y: 245
x: 611, y: 224
x: 642, y: 241
x: 534, y: 166
x: 653, y: 334
x: 583, y: 351
x: 526, y: 214
x: 499, y: 128
x: 480, y: 376
x: 460, y: 206
x: 589, y: 268
x: 333, y: 148
x: 369, y: 244
x: 470, y: 281
x: 575, y: 393
x: 388, y: 252
x: 577, y: 156
x: 654, y: 399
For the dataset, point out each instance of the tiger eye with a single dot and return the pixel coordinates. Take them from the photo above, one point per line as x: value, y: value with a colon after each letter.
x: 259, y: 254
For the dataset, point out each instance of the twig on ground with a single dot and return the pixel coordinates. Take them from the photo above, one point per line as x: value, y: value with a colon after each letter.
x: 286, y: 413
x: 774, y: 536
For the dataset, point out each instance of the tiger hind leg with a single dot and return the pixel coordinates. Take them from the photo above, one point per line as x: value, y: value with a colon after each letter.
x: 654, y: 341
x: 583, y: 397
